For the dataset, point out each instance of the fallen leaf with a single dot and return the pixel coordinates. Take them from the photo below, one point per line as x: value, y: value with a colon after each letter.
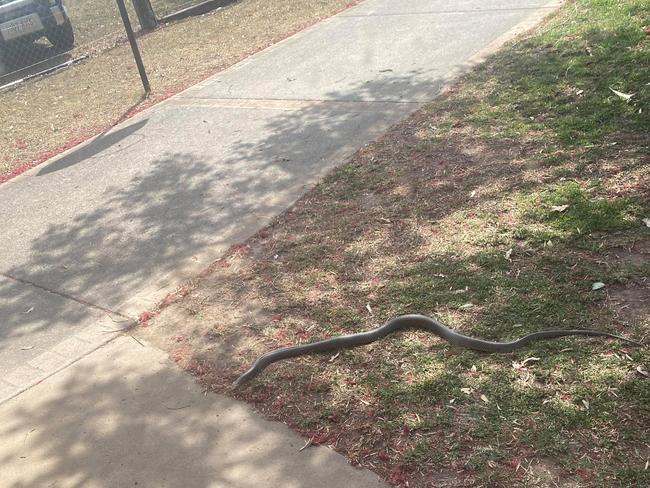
x: 640, y: 370
x: 307, y: 444
x: 646, y: 222
x: 485, y: 399
x: 527, y: 360
x: 597, y: 286
x: 559, y: 208
x: 467, y: 391
x: 368, y: 308
x: 586, y: 404
x: 624, y: 96
x: 473, y: 368
x: 466, y: 306
x: 508, y: 254
x: 580, y: 92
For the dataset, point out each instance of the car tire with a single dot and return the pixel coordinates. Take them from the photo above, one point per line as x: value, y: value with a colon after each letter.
x: 62, y: 38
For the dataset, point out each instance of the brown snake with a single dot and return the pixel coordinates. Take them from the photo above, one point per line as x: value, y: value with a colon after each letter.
x: 408, y: 322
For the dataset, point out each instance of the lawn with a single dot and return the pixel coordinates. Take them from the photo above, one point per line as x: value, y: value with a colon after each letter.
x: 517, y: 201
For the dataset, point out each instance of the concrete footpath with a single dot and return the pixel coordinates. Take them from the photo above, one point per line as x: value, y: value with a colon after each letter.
x: 124, y: 416
x: 94, y: 237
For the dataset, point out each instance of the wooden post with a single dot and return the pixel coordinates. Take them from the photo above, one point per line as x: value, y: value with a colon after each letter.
x: 145, y: 13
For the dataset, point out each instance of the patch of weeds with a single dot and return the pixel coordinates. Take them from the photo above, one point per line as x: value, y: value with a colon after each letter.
x: 309, y: 254
x: 424, y: 453
x: 351, y: 178
x: 552, y: 78
x: 633, y: 476
x: 636, y: 392
x: 554, y: 160
x: 482, y: 456
x: 492, y: 297
x: 424, y: 392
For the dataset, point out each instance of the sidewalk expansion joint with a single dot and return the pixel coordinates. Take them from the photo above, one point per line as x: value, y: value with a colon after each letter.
x: 451, y: 12
x: 81, y: 301
x: 288, y: 104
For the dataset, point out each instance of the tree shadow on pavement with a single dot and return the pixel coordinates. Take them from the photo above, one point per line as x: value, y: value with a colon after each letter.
x: 144, y: 423
x: 106, y: 246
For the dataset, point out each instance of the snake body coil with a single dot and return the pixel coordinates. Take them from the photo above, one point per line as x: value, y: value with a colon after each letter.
x: 407, y: 322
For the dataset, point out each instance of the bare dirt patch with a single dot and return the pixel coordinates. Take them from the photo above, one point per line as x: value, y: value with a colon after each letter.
x: 632, y: 302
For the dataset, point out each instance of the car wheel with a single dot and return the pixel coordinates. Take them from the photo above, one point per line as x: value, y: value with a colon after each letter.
x: 62, y: 38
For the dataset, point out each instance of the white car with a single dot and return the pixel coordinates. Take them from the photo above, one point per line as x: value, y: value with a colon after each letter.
x: 24, y: 21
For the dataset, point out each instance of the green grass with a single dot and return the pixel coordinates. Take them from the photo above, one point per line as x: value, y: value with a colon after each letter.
x: 568, y: 212
x: 560, y: 80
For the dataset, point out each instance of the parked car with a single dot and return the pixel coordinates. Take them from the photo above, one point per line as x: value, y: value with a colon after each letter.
x: 24, y: 21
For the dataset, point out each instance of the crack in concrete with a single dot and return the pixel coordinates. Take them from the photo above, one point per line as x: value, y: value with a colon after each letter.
x: 132, y: 321
x: 436, y: 12
x: 291, y: 104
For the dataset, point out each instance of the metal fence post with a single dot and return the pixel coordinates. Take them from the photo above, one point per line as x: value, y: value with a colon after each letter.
x: 146, y: 16
x: 134, y: 45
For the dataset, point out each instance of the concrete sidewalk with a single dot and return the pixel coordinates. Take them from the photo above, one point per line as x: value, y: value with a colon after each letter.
x: 98, y: 235
x: 124, y: 416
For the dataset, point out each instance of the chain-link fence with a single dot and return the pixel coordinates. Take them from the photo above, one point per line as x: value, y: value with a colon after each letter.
x: 38, y: 36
